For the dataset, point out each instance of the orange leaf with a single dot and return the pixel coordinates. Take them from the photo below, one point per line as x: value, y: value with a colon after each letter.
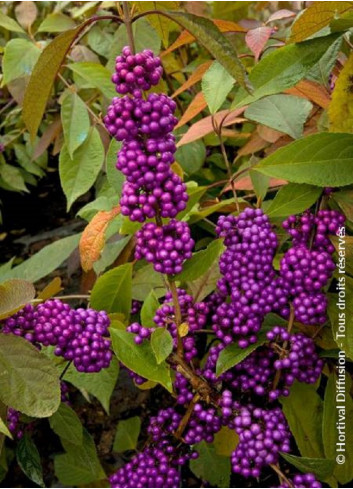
x: 186, y: 38
x: 194, y: 78
x: 93, y: 237
x: 245, y: 183
x: 204, y: 126
x: 312, y: 91
x: 255, y: 143
x: 197, y: 105
x: 257, y: 38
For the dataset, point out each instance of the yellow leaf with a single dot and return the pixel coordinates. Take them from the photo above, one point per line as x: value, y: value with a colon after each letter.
x: 14, y: 294
x: 225, y: 441
x: 93, y: 237
x: 53, y: 288
x: 183, y: 329
x: 177, y: 169
x: 160, y: 23
x: 315, y: 17
x: 149, y: 384
x: 340, y: 110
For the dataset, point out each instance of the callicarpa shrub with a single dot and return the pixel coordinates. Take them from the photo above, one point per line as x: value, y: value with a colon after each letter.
x: 218, y: 313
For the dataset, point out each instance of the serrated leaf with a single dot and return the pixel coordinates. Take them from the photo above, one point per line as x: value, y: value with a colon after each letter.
x: 20, y: 56
x: 216, y: 84
x: 127, y: 434
x: 283, y: 68
x: 257, y: 38
x: 162, y: 25
x: 324, y: 159
x: 211, y: 38
x: 321, y: 467
x: 96, y: 76
x: 79, y: 173
x: 100, y: 385
x: 162, y: 344
x: 140, y: 358
x: 210, y: 466
x: 305, y: 424
x: 45, y: 261
x: 75, y: 121
x: 28, y: 459
x: 66, y: 424
x: 341, y: 106
x: 29, y: 381
x: 148, y: 311
x: 293, y: 198
x: 40, y: 84
x: 56, y: 22
x: 78, y: 467
x: 201, y: 261
x: 14, y: 294
x: 112, y: 290
x: 285, y: 113
x: 315, y: 17
x: 145, y: 280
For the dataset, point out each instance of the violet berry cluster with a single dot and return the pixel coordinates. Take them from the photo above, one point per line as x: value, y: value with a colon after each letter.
x: 152, y: 189
x: 79, y: 335
x: 307, y: 266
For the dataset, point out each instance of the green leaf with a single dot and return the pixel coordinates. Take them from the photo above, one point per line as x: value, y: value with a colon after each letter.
x: 94, y: 75
x: 293, y: 199
x: 75, y: 122
x: 233, y: 354
x: 66, y: 424
x: 323, y: 68
x: 210, y: 466
x: 324, y: 159
x: 161, y: 25
x: 225, y: 441
x: 321, y: 467
x: 338, y: 408
x: 112, y: 291
x: 140, y: 358
x: 145, y: 280
x: 148, y: 311
x: 110, y: 253
x: 162, y: 344
x: 29, y: 381
x: 115, y: 177
x: 56, y: 22
x: 14, y: 294
x: 285, y: 113
x: 216, y: 84
x: 100, y: 385
x: 201, y: 261
x: 210, y: 37
x: 45, y: 261
x: 305, y: 424
x: 40, y: 84
x: 9, y: 24
x: 127, y: 434
x: 191, y: 156
x: 79, y: 173
x: 283, y: 68
x: 79, y: 466
x: 28, y: 459
x: 12, y: 177
x: 4, y: 429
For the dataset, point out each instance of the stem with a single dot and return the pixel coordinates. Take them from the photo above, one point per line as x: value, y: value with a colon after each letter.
x: 128, y: 25
x: 186, y: 417
x: 178, y: 318
x: 65, y: 370
x: 218, y: 131
x: 285, y: 344
x: 280, y: 474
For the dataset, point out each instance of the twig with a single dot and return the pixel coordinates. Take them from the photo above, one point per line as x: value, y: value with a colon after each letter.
x: 186, y: 417
x: 67, y: 366
x: 178, y: 318
x: 128, y: 25
x: 284, y: 348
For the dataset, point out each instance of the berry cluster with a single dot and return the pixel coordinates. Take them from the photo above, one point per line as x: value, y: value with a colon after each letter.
x: 13, y: 423
x: 262, y: 435
x: 136, y: 71
x: 152, y: 189
x: 306, y: 268
x: 303, y: 480
x: 167, y: 247
x: 248, y: 277
x: 80, y: 336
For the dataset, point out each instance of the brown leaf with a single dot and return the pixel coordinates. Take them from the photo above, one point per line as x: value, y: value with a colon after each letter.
x: 194, y: 78
x: 47, y: 137
x: 93, y: 237
x: 26, y: 13
x: 186, y: 38
x: 281, y: 14
x: 268, y: 134
x: 245, y: 183
x: 197, y: 105
x: 204, y: 126
x: 255, y: 143
x: 256, y: 39
x: 312, y: 91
